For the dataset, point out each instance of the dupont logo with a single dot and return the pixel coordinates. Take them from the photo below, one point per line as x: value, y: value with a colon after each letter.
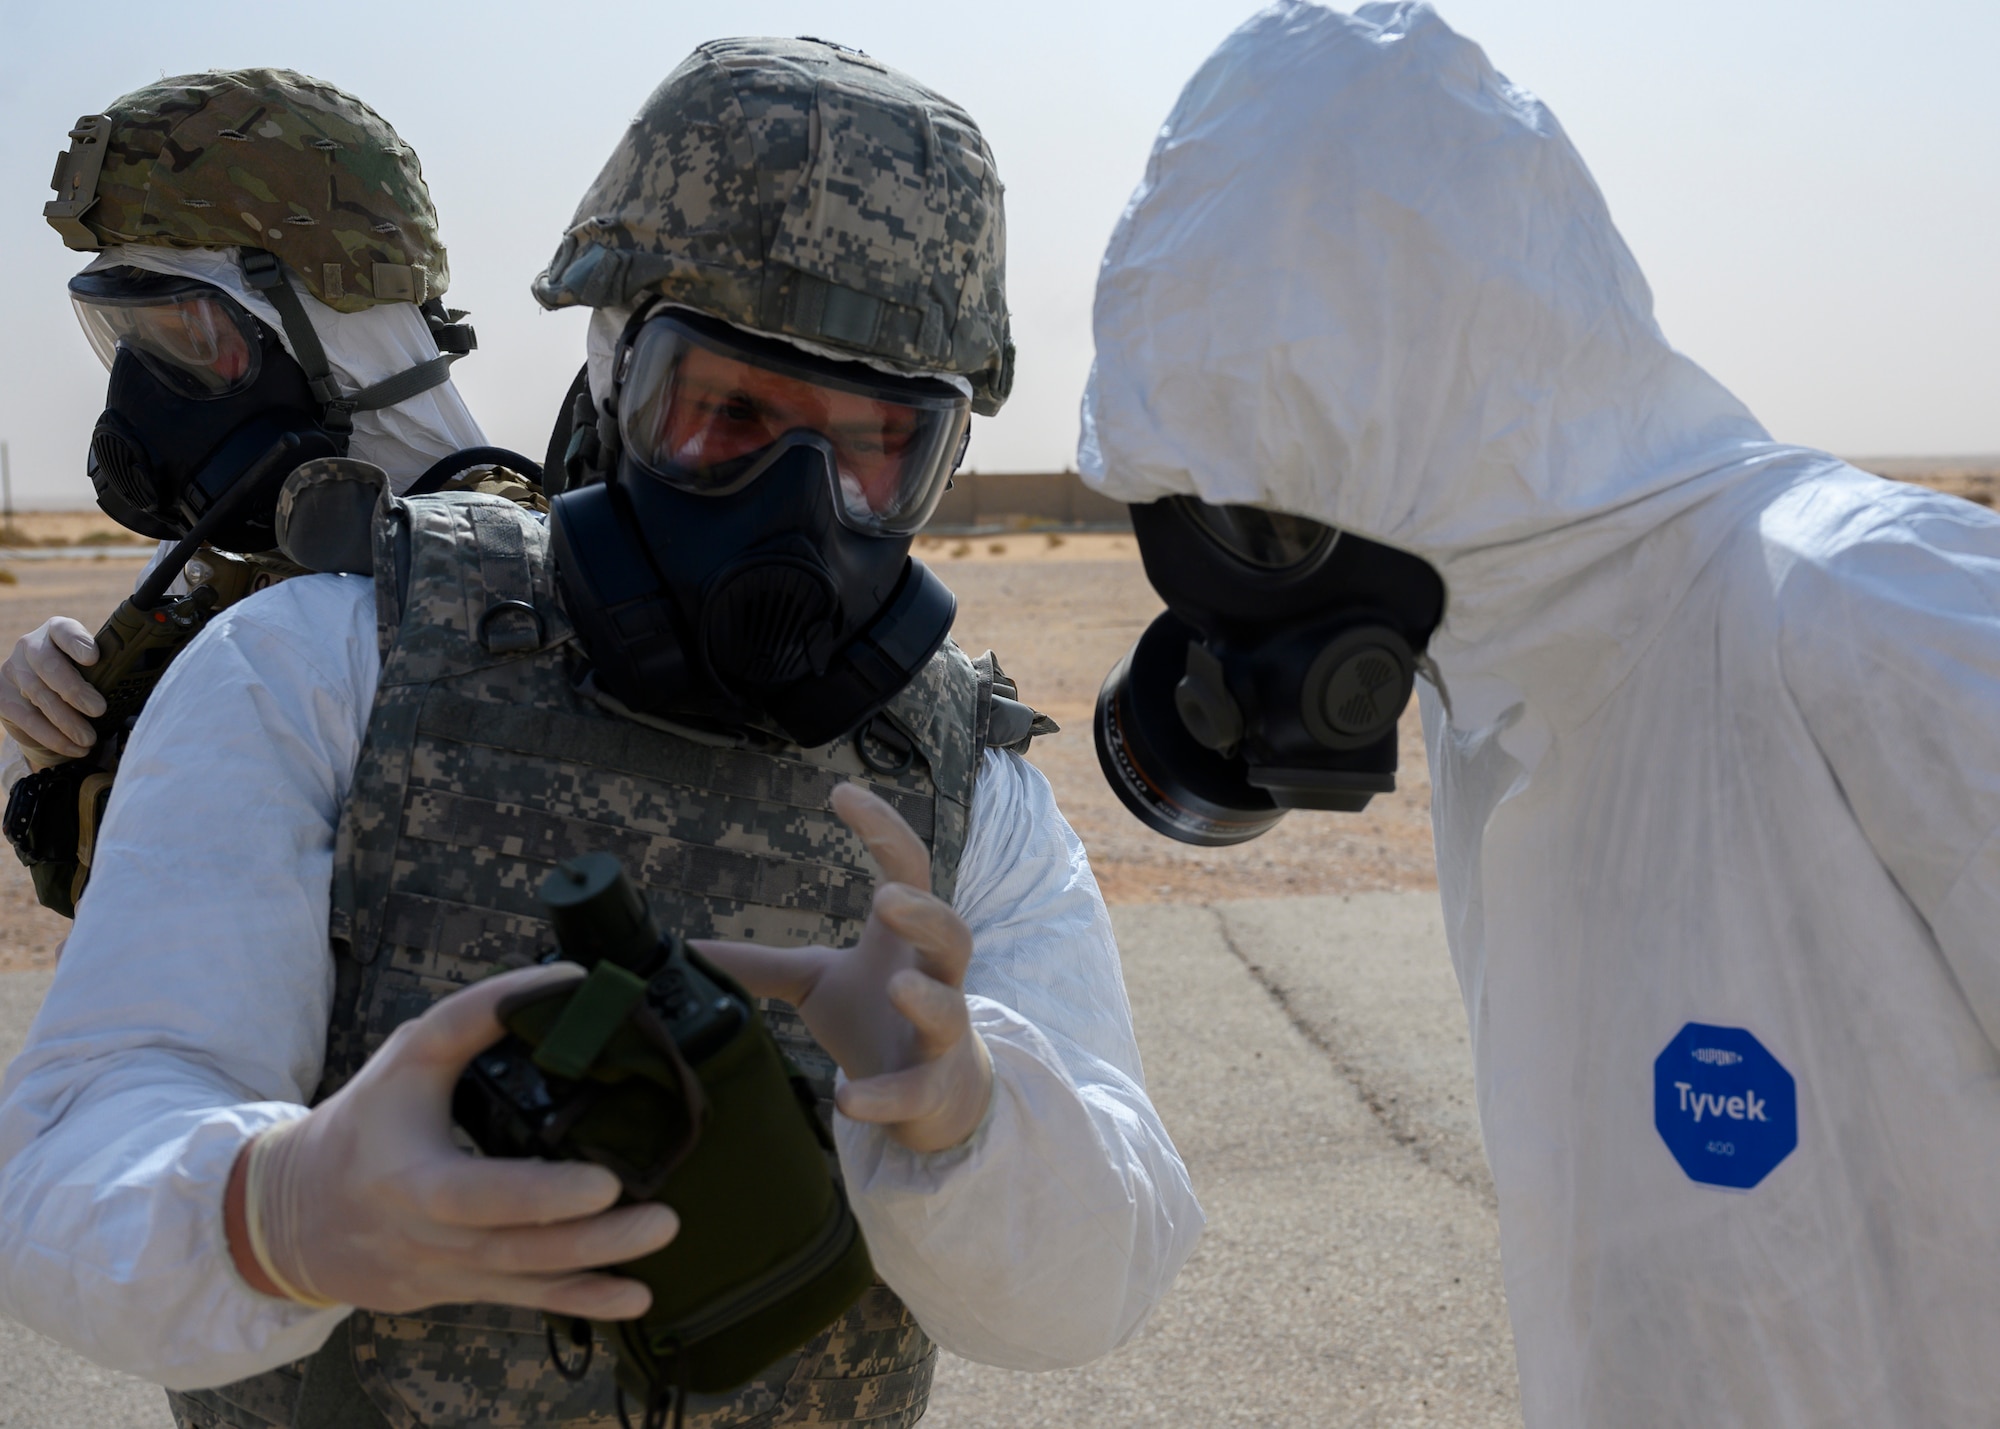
x: 1726, y: 1108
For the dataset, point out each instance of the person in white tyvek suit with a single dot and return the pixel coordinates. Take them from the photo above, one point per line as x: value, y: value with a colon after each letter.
x: 1711, y: 734
x: 404, y: 440
x: 166, y: 281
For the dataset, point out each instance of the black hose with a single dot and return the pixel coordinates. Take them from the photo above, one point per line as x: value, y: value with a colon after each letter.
x: 155, y: 585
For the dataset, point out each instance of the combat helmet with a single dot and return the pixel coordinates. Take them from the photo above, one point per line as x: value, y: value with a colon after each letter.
x: 804, y: 190
x: 295, y: 175
x: 259, y: 159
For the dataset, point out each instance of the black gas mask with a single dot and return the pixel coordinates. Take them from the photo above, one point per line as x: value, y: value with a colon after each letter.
x: 735, y: 547
x: 1273, y: 680
x: 201, y: 392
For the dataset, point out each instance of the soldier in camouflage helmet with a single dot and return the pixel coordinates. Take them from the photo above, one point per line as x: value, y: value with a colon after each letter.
x: 204, y: 199
x: 257, y: 158
x: 778, y: 403
x: 808, y: 192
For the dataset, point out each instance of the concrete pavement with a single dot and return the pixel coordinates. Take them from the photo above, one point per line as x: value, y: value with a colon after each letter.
x: 1311, y: 1061
x: 1310, y: 1057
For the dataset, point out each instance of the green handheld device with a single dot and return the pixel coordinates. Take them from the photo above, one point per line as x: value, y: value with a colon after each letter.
x: 659, y: 1067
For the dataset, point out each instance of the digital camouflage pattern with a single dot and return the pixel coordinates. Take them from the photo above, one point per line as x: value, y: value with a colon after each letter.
x: 796, y: 188
x: 258, y: 158
x: 483, y: 767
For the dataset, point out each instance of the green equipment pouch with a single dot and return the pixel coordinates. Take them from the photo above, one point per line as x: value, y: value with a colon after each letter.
x: 658, y: 1067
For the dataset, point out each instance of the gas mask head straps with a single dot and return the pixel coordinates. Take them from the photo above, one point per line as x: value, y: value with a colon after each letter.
x: 266, y: 274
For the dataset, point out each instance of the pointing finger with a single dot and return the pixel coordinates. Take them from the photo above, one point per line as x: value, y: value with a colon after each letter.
x: 494, y: 1191
x: 618, y: 1235
x: 60, y: 674
x: 73, y: 640
x: 891, y: 842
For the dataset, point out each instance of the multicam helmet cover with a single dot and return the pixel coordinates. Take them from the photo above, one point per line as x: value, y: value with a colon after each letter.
x: 257, y: 158
x: 800, y: 189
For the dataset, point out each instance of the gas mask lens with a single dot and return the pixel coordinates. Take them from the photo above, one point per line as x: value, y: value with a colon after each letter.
x: 1267, y: 540
x: 190, y: 335
x: 705, y: 409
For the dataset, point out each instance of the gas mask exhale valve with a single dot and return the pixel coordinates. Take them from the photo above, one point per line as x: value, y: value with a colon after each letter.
x: 1274, y: 679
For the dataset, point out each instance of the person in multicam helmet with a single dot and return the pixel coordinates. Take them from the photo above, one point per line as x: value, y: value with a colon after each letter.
x: 717, y: 661
x: 266, y: 260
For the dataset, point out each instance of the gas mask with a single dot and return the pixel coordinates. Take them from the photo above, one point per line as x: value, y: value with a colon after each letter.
x: 735, y: 548
x: 201, y: 391
x: 1274, y: 678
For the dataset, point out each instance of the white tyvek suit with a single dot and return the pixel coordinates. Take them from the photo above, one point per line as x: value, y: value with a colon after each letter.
x: 1723, y: 737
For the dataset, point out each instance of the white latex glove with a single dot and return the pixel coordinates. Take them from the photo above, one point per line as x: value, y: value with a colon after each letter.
x: 891, y: 1009
x: 366, y: 1201
x: 44, y: 703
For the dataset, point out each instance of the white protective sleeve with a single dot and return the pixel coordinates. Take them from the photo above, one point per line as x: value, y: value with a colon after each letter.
x: 1046, y: 1240
x: 170, y: 1035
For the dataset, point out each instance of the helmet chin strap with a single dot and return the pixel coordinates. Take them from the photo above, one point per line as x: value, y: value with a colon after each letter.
x: 265, y: 273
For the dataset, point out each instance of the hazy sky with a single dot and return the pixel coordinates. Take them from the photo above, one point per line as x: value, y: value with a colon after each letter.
x: 1813, y: 186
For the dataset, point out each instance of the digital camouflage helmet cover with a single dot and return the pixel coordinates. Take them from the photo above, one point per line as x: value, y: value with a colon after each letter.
x: 804, y: 190
x: 257, y: 158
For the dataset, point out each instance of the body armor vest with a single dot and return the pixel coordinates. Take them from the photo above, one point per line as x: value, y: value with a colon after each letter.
x: 486, y: 761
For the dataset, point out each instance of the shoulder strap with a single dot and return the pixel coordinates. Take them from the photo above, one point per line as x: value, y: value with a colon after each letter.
x: 443, y: 473
x: 462, y: 580
x: 999, y: 719
x: 936, y: 710
x: 462, y: 584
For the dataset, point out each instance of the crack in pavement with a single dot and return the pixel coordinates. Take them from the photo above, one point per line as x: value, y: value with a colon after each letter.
x: 1382, y: 1108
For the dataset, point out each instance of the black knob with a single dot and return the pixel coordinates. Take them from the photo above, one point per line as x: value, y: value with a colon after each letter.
x: 1205, y: 704
x: 598, y: 914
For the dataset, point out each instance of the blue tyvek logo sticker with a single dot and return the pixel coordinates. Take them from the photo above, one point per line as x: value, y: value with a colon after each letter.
x: 1726, y: 1108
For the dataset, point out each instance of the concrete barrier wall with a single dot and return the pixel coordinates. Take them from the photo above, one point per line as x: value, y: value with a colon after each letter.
x: 982, y: 500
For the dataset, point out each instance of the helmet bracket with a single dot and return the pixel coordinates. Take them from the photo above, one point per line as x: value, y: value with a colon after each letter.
x: 75, y: 182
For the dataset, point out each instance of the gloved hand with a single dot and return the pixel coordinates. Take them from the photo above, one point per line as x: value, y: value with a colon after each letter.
x: 44, y: 703
x: 366, y: 1201
x: 891, y: 1009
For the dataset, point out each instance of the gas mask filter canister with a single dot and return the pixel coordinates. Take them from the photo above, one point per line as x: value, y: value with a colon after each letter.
x: 1273, y: 680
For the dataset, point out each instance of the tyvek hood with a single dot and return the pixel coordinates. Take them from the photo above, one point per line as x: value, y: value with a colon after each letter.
x: 362, y: 349
x: 1368, y: 280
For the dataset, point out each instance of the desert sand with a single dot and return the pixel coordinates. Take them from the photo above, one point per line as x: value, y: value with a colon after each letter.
x: 1059, y: 610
